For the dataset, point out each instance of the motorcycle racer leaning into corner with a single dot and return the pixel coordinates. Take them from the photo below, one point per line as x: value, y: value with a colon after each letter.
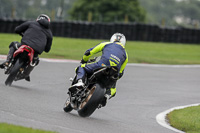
x: 36, y: 34
x: 113, y: 54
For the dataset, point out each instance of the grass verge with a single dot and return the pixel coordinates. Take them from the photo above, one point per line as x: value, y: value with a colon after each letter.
x: 187, y: 119
x: 139, y: 52
x: 9, y: 128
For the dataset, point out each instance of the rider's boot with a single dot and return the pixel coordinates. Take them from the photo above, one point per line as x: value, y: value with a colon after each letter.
x: 28, y: 79
x: 30, y: 68
x: 78, y: 85
x: 79, y: 81
x: 27, y: 72
x: 9, y: 58
x: 4, y: 64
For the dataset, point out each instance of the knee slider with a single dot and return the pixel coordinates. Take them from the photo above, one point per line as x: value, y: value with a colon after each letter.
x: 113, y: 91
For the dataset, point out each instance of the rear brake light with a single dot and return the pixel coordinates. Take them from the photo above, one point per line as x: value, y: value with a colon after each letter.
x: 28, y: 48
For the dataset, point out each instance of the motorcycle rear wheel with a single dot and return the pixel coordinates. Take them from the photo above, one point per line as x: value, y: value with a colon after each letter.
x: 13, y: 73
x: 93, y: 100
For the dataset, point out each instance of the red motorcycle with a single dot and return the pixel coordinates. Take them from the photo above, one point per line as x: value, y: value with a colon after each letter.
x: 21, y: 64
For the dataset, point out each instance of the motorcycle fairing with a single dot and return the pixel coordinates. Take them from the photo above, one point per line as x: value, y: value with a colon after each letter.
x: 26, y: 48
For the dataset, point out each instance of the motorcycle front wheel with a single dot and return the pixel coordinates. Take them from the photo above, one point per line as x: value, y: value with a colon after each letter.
x: 89, y: 105
x: 13, y: 73
x: 67, y: 106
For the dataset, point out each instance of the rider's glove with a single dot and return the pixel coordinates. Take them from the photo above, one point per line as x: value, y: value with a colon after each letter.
x: 83, y: 62
x: 87, y: 53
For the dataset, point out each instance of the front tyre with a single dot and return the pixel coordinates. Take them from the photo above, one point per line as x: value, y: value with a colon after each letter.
x: 13, y: 73
x: 89, y: 105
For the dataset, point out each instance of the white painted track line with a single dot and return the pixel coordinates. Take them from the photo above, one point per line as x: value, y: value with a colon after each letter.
x: 161, y: 118
x: 3, y: 57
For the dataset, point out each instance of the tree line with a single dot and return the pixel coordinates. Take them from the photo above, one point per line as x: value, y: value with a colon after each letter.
x: 184, y: 13
x: 162, y: 12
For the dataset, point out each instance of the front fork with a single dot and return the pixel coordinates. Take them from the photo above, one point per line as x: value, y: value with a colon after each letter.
x: 72, y: 100
x: 78, y: 97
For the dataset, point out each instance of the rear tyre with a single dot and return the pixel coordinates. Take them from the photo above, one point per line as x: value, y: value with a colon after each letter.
x: 67, y: 106
x: 13, y: 73
x: 93, y: 100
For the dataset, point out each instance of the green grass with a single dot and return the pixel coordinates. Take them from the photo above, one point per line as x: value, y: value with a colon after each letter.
x: 9, y: 128
x: 139, y: 52
x: 187, y: 120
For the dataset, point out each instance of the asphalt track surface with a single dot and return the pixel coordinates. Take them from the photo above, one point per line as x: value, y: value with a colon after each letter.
x: 143, y: 92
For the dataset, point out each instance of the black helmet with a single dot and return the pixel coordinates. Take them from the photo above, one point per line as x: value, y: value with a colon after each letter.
x: 43, y: 16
